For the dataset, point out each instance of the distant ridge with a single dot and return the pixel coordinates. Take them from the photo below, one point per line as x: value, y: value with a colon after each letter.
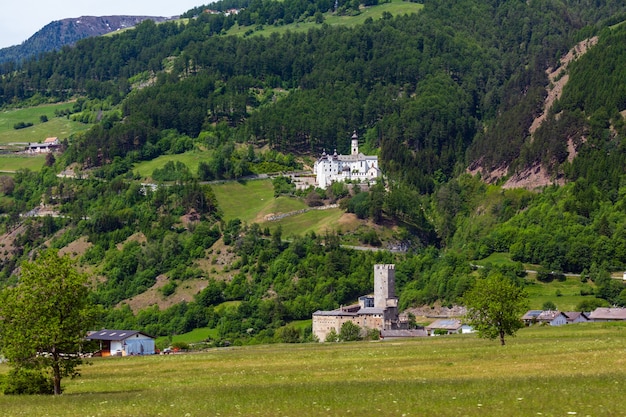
x: 59, y: 33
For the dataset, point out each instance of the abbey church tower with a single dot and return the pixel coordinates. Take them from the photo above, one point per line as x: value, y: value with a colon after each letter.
x: 355, y: 144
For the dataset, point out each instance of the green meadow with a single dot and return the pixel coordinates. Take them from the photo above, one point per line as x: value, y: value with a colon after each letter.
x: 566, y: 295
x: 573, y: 370
x: 191, y: 159
x: 60, y: 127
x: 11, y: 163
x: 395, y: 7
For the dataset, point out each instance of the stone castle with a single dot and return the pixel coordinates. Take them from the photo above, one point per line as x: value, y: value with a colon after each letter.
x: 372, y: 312
x: 341, y: 168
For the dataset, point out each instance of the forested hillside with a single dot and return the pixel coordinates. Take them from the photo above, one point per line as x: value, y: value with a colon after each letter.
x: 456, y: 84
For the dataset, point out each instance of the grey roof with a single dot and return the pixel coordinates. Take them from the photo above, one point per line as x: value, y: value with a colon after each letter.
x: 532, y: 314
x: 573, y: 315
x: 604, y: 313
x: 113, y: 334
x: 447, y: 324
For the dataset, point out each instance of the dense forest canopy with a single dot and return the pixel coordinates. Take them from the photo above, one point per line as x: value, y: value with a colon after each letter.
x: 457, y: 84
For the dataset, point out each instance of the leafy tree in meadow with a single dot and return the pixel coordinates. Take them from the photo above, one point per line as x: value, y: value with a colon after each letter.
x: 549, y: 305
x: 495, y: 306
x: 45, y: 318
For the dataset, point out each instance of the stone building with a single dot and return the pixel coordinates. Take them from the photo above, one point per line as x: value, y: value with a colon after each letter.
x: 379, y: 311
x: 341, y: 168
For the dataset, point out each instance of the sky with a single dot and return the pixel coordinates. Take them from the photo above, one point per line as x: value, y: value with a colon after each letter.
x: 20, y: 19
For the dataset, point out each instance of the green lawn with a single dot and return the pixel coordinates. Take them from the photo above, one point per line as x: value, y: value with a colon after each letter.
x: 60, y: 127
x: 573, y: 370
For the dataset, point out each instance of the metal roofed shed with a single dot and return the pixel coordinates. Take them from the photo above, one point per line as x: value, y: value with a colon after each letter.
x: 448, y: 326
x: 123, y: 342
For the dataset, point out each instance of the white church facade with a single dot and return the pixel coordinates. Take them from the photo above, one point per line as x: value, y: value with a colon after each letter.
x: 341, y: 168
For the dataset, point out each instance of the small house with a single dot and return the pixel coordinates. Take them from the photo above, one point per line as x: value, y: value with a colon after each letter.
x: 123, y: 342
x: 48, y: 145
x: 576, y: 317
x: 549, y: 317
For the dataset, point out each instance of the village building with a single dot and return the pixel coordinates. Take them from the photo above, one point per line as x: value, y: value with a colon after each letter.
x: 340, y: 168
x: 553, y: 317
x: 550, y: 317
x: 123, y: 342
x: 379, y: 311
x: 576, y: 317
x: 48, y: 145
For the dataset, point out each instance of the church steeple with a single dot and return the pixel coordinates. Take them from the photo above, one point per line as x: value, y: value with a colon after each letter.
x: 355, y: 144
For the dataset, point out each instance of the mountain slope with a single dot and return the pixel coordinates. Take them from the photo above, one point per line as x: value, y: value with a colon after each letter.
x: 59, y: 33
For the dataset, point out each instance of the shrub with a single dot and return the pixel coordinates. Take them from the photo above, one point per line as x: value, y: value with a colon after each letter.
x: 350, y: 332
x: 332, y: 336
x: 21, y: 125
x: 169, y: 288
x: 22, y: 381
x: 180, y: 346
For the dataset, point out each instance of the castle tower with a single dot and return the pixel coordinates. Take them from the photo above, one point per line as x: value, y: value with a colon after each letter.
x: 355, y: 144
x: 385, y: 286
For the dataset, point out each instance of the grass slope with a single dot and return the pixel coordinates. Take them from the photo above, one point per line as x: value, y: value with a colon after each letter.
x: 60, y: 127
x: 191, y: 159
x: 571, y: 370
x: 11, y: 163
x: 395, y: 7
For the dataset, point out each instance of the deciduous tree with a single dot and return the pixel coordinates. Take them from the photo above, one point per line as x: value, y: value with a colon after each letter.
x: 495, y: 306
x: 45, y: 318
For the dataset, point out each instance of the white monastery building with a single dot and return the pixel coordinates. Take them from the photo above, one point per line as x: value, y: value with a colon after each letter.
x: 340, y: 168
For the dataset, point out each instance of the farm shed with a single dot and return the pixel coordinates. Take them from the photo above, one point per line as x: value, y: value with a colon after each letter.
x: 448, y: 326
x: 123, y: 342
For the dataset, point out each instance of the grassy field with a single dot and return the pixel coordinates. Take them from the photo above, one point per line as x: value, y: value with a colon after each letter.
x: 545, y: 371
x: 11, y: 163
x: 191, y: 159
x: 564, y: 294
x: 60, y: 127
x: 395, y: 7
x: 244, y: 200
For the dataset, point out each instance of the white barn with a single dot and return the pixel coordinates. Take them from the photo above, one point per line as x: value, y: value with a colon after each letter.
x: 123, y: 342
x: 340, y: 168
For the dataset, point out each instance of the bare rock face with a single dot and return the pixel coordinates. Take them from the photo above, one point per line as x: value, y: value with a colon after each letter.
x: 59, y: 33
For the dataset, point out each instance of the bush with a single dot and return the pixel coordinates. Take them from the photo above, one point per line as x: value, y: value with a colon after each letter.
x: 21, y: 125
x: 22, y: 381
x: 180, y: 346
x: 350, y: 332
x: 169, y: 289
x: 332, y: 336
